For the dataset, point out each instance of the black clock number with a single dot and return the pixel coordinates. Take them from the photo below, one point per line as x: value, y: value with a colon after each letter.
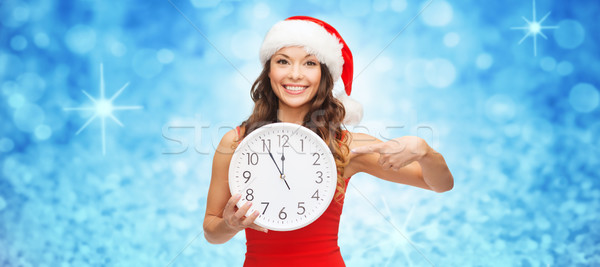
x: 301, y: 145
x: 320, y: 177
x: 266, y: 145
x: 249, y: 195
x: 252, y: 158
x: 246, y: 175
x: 301, y: 207
x: 267, y: 205
x: 316, y: 195
x: 282, y: 214
x: 317, y: 160
x: 285, y: 139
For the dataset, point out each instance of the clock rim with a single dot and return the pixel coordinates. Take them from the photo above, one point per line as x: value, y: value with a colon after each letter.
x: 298, y: 127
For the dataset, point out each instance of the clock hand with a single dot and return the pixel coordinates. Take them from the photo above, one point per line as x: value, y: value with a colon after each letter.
x: 282, y: 161
x: 283, y: 167
x: 280, y: 172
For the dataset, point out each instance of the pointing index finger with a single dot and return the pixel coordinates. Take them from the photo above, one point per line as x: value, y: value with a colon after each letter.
x: 375, y: 148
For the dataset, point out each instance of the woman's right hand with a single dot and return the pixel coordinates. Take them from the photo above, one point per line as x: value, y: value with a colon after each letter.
x: 235, y: 219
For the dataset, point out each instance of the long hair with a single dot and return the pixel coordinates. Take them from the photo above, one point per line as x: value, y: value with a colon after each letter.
x: 324, y: 118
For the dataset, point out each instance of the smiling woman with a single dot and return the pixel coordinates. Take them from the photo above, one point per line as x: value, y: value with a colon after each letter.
x: 302, y: 58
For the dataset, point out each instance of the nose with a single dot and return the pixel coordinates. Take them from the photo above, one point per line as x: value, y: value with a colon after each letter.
x: 296, y: 72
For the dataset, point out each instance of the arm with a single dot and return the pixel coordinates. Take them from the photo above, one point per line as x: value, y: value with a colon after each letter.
x: 407, y: 160
x: 223, y: 219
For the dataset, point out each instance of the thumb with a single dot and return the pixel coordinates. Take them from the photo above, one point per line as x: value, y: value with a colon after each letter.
x: 375, y: 148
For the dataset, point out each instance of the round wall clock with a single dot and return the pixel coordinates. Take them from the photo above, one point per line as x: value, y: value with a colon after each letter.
x: 287, y: 172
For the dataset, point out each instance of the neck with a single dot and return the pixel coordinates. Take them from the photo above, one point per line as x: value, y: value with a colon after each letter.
x: 292, y: 115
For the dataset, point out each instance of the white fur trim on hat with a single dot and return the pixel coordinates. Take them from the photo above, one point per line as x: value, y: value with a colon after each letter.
x: 314, y: 38
x: 354, y: 109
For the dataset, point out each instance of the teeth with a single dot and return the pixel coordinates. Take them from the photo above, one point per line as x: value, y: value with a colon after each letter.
x: 295, y: 88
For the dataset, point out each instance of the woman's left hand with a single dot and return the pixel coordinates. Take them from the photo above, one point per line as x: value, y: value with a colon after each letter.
x: 396, y: 153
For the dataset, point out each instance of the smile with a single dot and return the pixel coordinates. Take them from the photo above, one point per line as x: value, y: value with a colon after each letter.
x: 294, y: 90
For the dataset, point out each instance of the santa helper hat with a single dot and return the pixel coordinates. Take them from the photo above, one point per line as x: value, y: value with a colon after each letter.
x: 322, y: 40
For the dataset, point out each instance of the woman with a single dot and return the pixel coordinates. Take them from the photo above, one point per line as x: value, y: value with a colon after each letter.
x: 302, y: 58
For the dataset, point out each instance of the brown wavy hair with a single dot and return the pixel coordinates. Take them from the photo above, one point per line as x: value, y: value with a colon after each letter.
x: 324, y: 118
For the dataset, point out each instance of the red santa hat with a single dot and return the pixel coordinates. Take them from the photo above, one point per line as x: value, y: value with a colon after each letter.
x: 322, y: 40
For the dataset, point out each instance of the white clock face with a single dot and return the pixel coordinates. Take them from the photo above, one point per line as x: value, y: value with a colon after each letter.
x: 287, y: 172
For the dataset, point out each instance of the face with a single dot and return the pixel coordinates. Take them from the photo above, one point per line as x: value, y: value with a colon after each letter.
x: 295, y: 77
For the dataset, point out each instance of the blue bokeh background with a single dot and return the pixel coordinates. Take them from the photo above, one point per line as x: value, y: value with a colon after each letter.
x: 518, y: 127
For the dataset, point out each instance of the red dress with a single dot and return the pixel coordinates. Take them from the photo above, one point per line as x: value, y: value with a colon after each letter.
x: 313, y: 245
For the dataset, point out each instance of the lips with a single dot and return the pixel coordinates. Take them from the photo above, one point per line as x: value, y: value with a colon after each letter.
x: 294, y: 89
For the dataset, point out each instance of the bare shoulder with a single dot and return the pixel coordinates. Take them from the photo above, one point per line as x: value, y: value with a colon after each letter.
x: 228, y: 143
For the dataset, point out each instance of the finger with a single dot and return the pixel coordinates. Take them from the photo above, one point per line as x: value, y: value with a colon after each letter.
x: 258, y: 228
x: 376, y: 148
x: 232, y: 201
x: 383, y: 160
x: 242, y: 211
x: 250, y: 219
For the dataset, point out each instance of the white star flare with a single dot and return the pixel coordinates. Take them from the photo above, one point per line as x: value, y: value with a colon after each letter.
x: 533, y: 28
x: 103, y: 108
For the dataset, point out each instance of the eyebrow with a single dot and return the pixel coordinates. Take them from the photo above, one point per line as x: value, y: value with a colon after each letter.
x: 286, y: 56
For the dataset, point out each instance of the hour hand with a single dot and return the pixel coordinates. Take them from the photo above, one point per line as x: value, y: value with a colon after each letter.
x: 282, y: 161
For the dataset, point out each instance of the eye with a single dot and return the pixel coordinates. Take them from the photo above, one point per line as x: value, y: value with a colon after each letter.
x: 311, y: 63
x: 281, y: 61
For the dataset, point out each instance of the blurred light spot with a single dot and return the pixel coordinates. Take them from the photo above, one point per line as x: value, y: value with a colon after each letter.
x: 398, y: 5
x: 584, y: 97
x: 145, y: 63
x: 438, y: 13
x: 28, y: 116
x: 180, y: 168
x: 451, y: 39
x: 41, y: 40
x: 564, y: 68
x: 354, y: 8
x: 10, y: 87
x: 205, y: 3
x: 21, y: 13
x: 500, y: 108
x: 16, y: 100
x: 440, y: 73
x: 261, y: 11
x: 18, y: 43
x: 570, y: 34
x: 2, y: 203
x: 414, y: 72
x: 43, y: 132
x: 548, y: 63
x: 484, y: 61
x: 118, y: 49
x: 6, y: 145
x: 80, y: 39
x: 165, y: 56
x: 31, y: 85
x: 245, y: 44
x: 383, y: 64
x: 380, y: 5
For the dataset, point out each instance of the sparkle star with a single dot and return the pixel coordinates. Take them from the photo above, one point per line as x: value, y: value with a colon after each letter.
x: 402, y: 240
x: 103, y: 108
x: 533, y: 28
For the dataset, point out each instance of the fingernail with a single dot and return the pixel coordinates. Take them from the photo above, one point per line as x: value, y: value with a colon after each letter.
x: 266, y: 231
x: 353, y: 150
x: 238, y: 196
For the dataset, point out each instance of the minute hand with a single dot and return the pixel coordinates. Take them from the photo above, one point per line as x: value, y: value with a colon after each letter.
x: 271, y: 155
x: 280, y: 173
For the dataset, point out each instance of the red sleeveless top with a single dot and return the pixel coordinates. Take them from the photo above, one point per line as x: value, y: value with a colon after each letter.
x: 313, y: 245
